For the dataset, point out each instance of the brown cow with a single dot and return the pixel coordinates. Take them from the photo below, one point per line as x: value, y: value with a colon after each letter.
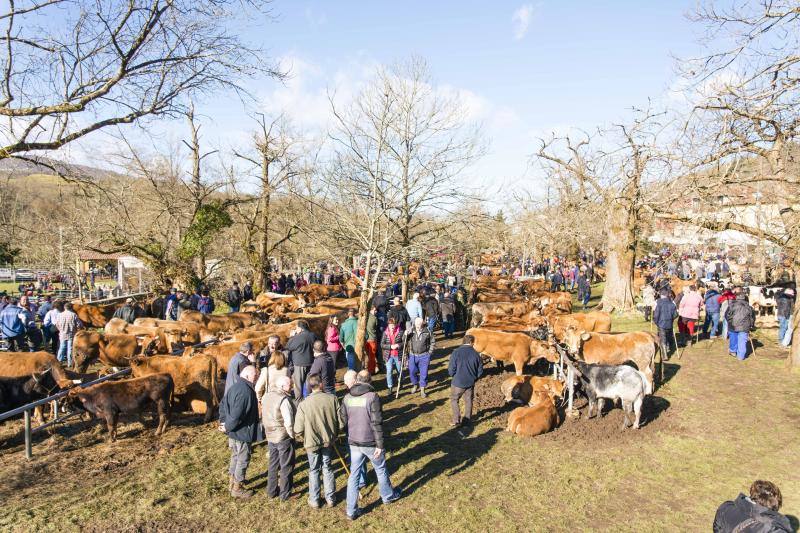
x: 195, y: 378
x: 187, y: 332
x: 486, y: 310
x: 110, y: 349
x: 111, y: 398
x: 166, y: 339
x: 334, y: 306
x: 26, y: 364
x: 521, y: 389
x: 516, y: 348
x: 637, y: 347
x: 224, y: 351
x: 92, y: 315
x: 595, y: 321
x: 532, y: 421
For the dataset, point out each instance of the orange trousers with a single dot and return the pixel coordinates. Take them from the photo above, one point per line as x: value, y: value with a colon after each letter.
x: 372, y: 353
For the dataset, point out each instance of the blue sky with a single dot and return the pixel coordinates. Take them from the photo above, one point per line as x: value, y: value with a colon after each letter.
x: 524, y: 69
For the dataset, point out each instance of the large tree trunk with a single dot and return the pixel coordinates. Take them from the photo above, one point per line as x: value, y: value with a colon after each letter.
x: 620, y: 259
x: 363, y: 312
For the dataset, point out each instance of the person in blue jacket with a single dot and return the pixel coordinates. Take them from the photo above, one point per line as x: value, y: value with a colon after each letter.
x: 12, y: 325
x: 664, y: 318
x: 712, y: 305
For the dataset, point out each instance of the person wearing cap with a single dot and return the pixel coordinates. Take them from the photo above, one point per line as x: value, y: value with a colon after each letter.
x: 664, y: 318
x: 785, y: 300
x: 126, y: 312
x: 421, y: 346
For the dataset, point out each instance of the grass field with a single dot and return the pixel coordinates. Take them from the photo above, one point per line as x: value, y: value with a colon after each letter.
x: 712, y: 428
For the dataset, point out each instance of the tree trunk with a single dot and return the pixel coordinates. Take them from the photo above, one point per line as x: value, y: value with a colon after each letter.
x: 620, y: 259
x: 361, y: 331
x: 793, y: 361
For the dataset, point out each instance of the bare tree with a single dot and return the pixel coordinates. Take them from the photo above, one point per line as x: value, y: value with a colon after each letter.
x: 277, y: 156
x: 742, y: 136
x: 613, y: 169
x: 113, y: 62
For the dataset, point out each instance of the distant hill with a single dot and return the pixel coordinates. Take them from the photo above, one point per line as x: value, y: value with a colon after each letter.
x: 11, y: 167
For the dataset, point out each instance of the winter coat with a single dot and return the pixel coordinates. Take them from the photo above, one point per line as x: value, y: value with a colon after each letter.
x: 324, y: 367
x: 733, y: 514
x: 234, y: 296
x: 465, y: 366
x: 712, y: 301
x: 391, y: 337
x: 332, y: 339
x: 206, y: 305
x: 372, y: 327
x: 380, y: 302
x: 361, y: 413
x: 447, y: 309
x: 238, y: 410
x: 235, y: 367
x: 665, y: 313
x: 247, y: 292
x: 414, y: 309
x: 301, y: 348
x: 690, y: 305
x: 785, y: 304
x: 126, y: 313
x: 431, y: 308
x: 348, y: 333
x: 11, y: 321
x: 400, y: 315
x: 422, y: 342
x: 740, y: 316
x: 318, y: 420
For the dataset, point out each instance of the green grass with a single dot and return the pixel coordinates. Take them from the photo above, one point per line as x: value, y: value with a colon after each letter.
x: 716, y: 425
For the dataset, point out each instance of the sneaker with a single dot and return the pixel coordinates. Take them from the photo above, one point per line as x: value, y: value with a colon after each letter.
x: 422, y: 392
x: 354, y: 515
x: 393, y: 498
x: 314, y: 505
x: 330, y: 503
x: 413, y: 389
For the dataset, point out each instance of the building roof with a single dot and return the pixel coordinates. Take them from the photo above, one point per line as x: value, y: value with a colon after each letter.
x: 89, y: 255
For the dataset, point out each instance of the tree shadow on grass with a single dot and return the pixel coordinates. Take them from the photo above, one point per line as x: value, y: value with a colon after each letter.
x: 457, y: 453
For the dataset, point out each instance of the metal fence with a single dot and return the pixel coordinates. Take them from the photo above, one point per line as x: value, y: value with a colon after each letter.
x: 25, y: 410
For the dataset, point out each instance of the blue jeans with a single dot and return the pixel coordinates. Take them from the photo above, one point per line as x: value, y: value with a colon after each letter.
x: 737, y: 343
x: 358, y: 460
x: 783, y: 326
x: 391, y: 362
x: 431, y: 323
x: 234, y: 308
x: 713, y: 319
x: 320, y: 460
x: 350, y: 354
x: 65, y: 351
x: 419, y: 363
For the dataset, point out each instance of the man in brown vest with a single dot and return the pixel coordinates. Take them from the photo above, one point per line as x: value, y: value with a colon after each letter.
x: 277, y: 411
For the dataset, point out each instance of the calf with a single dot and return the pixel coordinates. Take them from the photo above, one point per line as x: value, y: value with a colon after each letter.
x: 194, y: 378
x: 112, y: 398
x: 523, y: 389
x: 601, y: 382
x: 516, y: 348
x: 532, y: 421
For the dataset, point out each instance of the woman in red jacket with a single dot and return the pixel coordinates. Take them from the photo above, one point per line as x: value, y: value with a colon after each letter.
x: 332, y: 338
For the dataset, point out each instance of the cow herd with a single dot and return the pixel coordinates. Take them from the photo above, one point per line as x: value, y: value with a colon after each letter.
x: 175, y: 365
x: 521, y: 323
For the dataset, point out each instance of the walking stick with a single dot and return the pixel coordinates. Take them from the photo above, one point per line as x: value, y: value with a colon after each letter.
x: 344, y: 464
x: 402, y: 364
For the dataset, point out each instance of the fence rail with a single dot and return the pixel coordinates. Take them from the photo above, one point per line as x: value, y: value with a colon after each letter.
x: 26, y: 409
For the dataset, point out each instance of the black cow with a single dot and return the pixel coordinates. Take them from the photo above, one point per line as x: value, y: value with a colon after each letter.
x: 16, y: 392
x: 111, y: 398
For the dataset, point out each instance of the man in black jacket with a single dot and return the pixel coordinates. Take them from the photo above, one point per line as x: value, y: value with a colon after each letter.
x: 785, y: 301
x: 324, y: 367
x: 741, y: 319
x: 247, y: 291
x: 234, y: 297
x: 431, y: 309
x: 664, y: 318
x: 127, y: 312
x: 239, y: 410
x: 361, y: 412
x: 300, y: 348
x: 759, y: 512
x: 465, y: 368
x: 421, y: 346
x: 398, y: 311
